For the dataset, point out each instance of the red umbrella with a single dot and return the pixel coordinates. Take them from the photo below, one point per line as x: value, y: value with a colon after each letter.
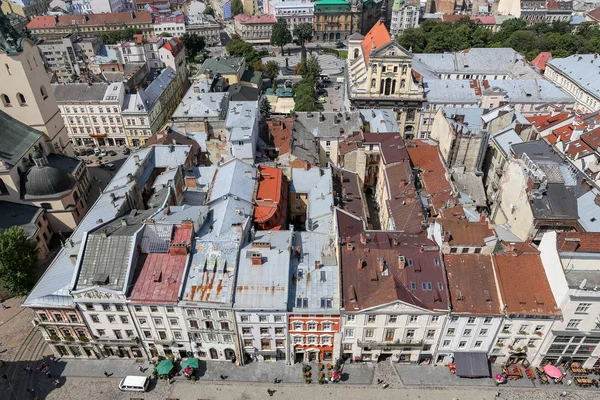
x: 188, y: 370
x: 552, y: 371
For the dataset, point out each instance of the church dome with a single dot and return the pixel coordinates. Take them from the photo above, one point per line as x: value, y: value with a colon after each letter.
x: 47, y: 181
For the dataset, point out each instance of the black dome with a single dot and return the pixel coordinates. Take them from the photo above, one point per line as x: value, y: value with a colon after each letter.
x: 47, y: 181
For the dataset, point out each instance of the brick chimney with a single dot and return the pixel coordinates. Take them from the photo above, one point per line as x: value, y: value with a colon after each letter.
x: 381, y: 263
x: 190, y: 182
x: 256, y: 258
x: 363, y: 238
x: 317, y: 264
x: 359, y: 264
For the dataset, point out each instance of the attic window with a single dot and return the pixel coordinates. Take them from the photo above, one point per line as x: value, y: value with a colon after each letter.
x: 300, y: 273
x: 426, y: 286
x: 323, y: 276
x: 302, y: 302
x: 410, y: 262
x: 413, y: 286
x: 326, y: 303
x: 436, y: 261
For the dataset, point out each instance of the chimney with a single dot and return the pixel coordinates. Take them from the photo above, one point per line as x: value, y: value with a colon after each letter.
x: 381, y: 263
x: 359, y: 264
x: 446, y: 236
x: 190, y: 182
x: 178, y: 249
x: 401, y: 262
x: 348, y: 240
x: 510, y: 247
x: 136, y: 158
x: 248, y: 174
x: 73, y: 258
x: 349, y: 247
x: 321, y: 117
x: 363, y: 238
x: 317, y: 264
x: 352, y: 294
x: 256, y: 258
x: 395, y: 241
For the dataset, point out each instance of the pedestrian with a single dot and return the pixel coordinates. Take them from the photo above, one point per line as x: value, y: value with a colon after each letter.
x: 497, y: 394
x: 570, y: 382
x: 55, y: 382
x: 106, y: 374
x: 563, y: 394
x: 49, y: 375
x: 4, y: 306
x: 140, y: 368
x: 31, y: 390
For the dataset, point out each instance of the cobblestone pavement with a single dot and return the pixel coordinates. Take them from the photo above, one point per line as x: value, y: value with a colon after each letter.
x: 101, y: 389
x: 22, y: 346
x: 386, y: 373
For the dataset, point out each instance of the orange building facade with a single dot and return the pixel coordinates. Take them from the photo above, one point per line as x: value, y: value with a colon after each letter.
x: 313, y: 337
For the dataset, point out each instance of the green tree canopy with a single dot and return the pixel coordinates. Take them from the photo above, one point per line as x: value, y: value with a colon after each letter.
x: 303, y: 33
x: 304, y: 91
x: 118, y: 36
x: 209, y: 11
x: 240, y: 48
x: 272, y: 69
x: 18, y: 261
x: 194, y: 45
x: 558, y: 38
x: 280, y: 35
x: 265, y: 108
x: 237, y: 7
x: 310, y: 69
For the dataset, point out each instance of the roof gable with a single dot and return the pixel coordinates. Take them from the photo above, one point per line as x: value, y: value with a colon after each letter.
x: 375, y: 38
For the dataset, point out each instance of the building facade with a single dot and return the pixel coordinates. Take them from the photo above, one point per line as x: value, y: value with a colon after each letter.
x: 334, y: 20
x: 255, y: 29
x: 573, y: 74
x: 404, y: 16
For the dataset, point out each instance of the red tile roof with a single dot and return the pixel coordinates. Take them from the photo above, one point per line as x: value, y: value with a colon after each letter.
x: 271, y: 198
x: 542, y: 122
x: 159, y: 278
x: 374, y: 39
x: 579, y: 242
x: 592, y: 138
x: 122, y: 18
x: 472, y: 284
x: 578, y: 149
x: 391, y: 145
x: 42, y: 21
x: 463, y: 232
x: 484, y: 19
x: 541, y: 60
x: 523, y: 284
x: 348, y: 193
x: 426, y: 158
x: 374, y: 272
x: 280, y: 130
x: 257, y: 19
x: 174, y: 46
x: 404, y: 204
x: 594, y: 14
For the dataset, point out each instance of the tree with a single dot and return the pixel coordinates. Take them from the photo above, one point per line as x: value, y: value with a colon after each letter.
x: 265, y: 108
x: 18, y: 261
x: 237, y: 7
x: 240, y: 48
x: 209, y: 11
x: 119, y: 36
x: 272, y: 70
x: 280, y: 34
x: 303, y: 33
x: 165, y: 34
x: 193, y: 44
x: 304, y: 96
x: 310, y: 69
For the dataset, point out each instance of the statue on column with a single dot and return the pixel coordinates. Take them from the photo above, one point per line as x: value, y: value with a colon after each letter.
x: 11, y: 41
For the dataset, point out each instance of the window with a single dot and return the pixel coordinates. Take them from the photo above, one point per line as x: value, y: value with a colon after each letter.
x: 392, y: 319
x: 539, y: 328
x: 138, y: 308
x: 21, y: 100
x: 413, y: 286
x: 278, y: 331
x: 111, y: 319
x: 245, y: 318
x: 414, y: 319
x: 467, y: 332
x: 7, y: 69
x: 349, y: 333
x: 506, y: 328
x: 128, y: 333
x: 106, y: 307
x: 225, y: 326
x: 301, y: 302
x: 426, y: 286
x: 264, y: 331
x: 124, y: 319
x: 410, y: 333
x: 583, y: 308
x: 58, y: 318
x: 471, y: 320
x: 371, y: 319
x: 298, y: 339
x: 162, y: 335
x: 350, y: 318
x: 193, y: 324
x: 227, y: 338
x: 462, y: 344
x: 326, y: 326
x: 177, y: 335
x: 312, y: 326
x: 73, y: 318
x: 298, y: 326
x: 206, y: 314
x: 523, y: 329
x: 369, y: 333
x: 446, y: 343
x: 278, y: 318
x: 311, y: 339
x: 573, y: 324
x: 347, y: 346
x: 435, y: 319
x: 325, y: 340
x: 478, y: 344
x: 222, y: 314
x: 430, y: 333
x: 326, y: 303
x: 262, y: 318
x: 153, y: 309
x: 211, y: 337
x: 483, y: 332
x: 44, y: 93
x: 5, y: 100
x: 487, y: 320
x: 451, y: 332
x: 174, y: 321
x: 101, y: 332
x: 265, y: 344
x: 209, y: 325
x: 453, y: 320
x: 248, y: 343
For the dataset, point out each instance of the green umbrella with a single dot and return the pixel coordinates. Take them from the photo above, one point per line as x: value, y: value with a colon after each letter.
x: 191, y: 362
x: 164, y: 367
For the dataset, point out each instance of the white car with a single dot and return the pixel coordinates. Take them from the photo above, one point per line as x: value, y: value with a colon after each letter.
x: 134, y: 384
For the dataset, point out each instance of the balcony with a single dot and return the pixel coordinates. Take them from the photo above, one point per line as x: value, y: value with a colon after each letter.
x: 395, y: 344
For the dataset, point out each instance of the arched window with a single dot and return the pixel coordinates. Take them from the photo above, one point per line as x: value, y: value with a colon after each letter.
x: 5, y: 100
x: 402, y: 83
x: 373, y: 83
x: 374, y: 68
x: 404, y: 68
x: 355, y: 53
x: 7, y: 69
x: 21, y: 99
x: 43, y: 92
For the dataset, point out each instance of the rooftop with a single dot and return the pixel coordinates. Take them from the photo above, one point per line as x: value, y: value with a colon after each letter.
x: 464, y: 233
x: 271, y: 197
x: 315, y: 274
x: 328, y: 124
x: 21, y: 215
x: 222, y: 65
x: 280, y: 130
x: 79, y: 92
x: 581, y: 69
x: 202, y: 105
x: 380, y: 121
x: 233, y: 179
x: 374, y: 39
x: 404, y: 204
x: 256, y: 19
x: 348, y: 195
x: 264, y: 272
x: 523, y: 285
x: 379, y: 268
x: 107, y: 19
x: 472, y: 284
x: 471, y: 122
x: 16, y: 140
x: 241, y: 119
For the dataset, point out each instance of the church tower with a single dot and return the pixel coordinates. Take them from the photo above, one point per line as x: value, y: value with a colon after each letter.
x: 25, y: 91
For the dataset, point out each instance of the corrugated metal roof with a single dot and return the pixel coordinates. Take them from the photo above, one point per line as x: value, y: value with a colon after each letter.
x: 233, y: 178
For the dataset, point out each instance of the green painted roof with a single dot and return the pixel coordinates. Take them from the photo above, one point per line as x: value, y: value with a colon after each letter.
x: 332, y: 6
x: 16, y: 138
x: 398, y: 4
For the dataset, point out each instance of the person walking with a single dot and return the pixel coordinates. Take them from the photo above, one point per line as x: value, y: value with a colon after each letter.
x: 497, y: 395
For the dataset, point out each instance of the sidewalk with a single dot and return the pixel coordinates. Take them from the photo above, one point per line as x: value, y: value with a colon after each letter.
x: 210, y: 371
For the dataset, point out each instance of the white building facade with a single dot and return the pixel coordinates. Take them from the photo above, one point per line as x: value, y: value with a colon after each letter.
x: 403, y: 17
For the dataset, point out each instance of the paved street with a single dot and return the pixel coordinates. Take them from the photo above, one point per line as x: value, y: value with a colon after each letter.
x: 330, y: 64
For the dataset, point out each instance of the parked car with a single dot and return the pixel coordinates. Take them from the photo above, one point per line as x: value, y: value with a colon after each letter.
x: 76, y: 153
x: 97, y: 151
x: 103, y: 153
x: 126, y: 151
x: 112, y: 153
x: 110, y: 166
x: 340, y: 45
x: 321, y: 100
x: 89, y: 151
